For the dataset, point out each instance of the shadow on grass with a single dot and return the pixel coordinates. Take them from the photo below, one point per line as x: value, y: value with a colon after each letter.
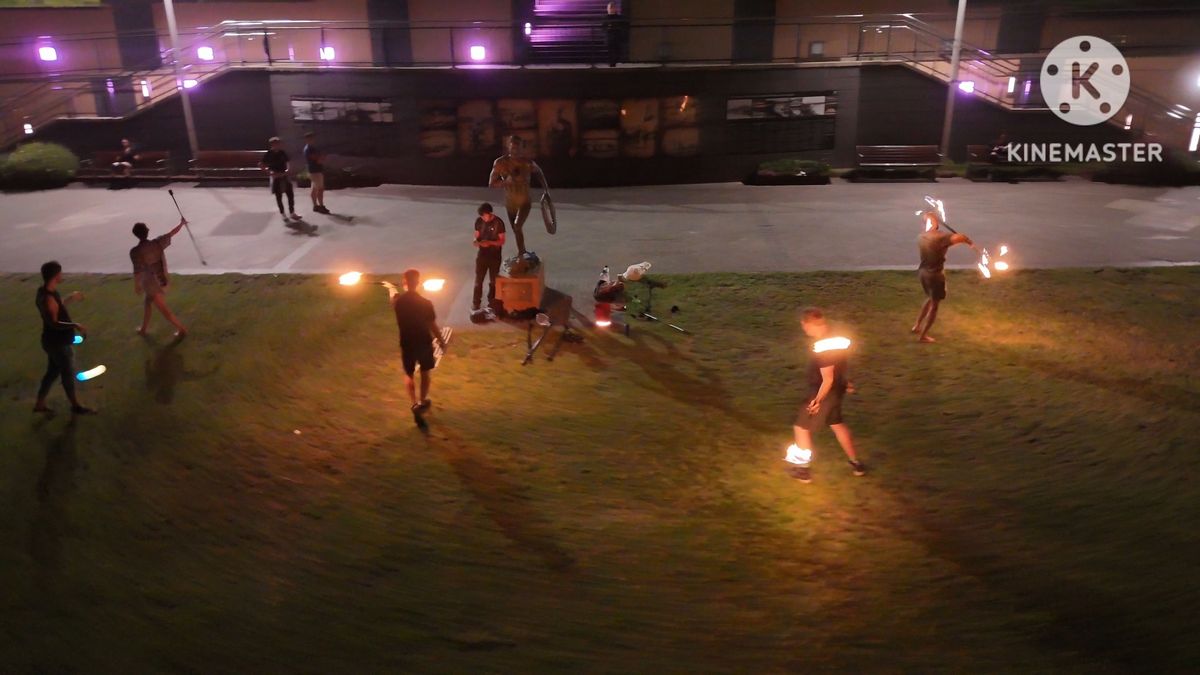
x: 165, y: 369
x: 54, y: 488
x: 502, y: 500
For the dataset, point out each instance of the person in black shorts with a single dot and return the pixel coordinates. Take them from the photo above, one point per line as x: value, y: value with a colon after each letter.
x: 933, y: 244
x: 489, y: 239
x: 418, y: 329
x: 315, y: 161
x: 828, y: 385
x: 277, y: 163
x: 58, y: 336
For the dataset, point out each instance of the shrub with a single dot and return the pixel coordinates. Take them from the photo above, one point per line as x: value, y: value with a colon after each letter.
x: 38, y: 166
x: 792, y: 167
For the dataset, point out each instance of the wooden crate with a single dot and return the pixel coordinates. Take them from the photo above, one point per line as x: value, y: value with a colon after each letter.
x: 518, y: 293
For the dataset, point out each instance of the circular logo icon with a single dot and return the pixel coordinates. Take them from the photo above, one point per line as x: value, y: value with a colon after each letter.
x: 1085, y: 80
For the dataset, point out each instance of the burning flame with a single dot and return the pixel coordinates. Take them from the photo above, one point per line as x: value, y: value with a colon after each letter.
x: 350, y: 278
x: 89, y: 374
x: 1001, y: 266
x: 434, y: 285
x: 831, y: 344
x: 603, y: 323
x: 798, y: 455
x: 983, y: 269
x: 1003, y: 249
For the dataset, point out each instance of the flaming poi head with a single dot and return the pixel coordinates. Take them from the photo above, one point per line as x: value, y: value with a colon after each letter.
x: 433, y: 285
x: 936, y: 210
x: 350, y: 278
x: 989, y: 263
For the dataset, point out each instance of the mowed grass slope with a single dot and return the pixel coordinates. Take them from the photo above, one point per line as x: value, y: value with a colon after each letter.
x: 1031, y: 504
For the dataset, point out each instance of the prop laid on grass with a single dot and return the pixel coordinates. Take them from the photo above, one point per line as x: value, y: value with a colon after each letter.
x: 188, y: 228
x: 987, y: 262
x: 637, y: 273
x: 429, y: 286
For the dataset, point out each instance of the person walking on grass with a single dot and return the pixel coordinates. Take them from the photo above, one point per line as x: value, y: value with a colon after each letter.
x: 933, y: 245
x: 277, y: 164
x: 417, y: 322
x: 315, y: 161
x: 58, y: 336
x: 489, y: 240
x: 150, y: 279
x: 828, y: 384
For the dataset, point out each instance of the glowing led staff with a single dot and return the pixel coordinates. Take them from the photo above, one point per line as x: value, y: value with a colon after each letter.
x: 78, y: 340
x: 91, y: 374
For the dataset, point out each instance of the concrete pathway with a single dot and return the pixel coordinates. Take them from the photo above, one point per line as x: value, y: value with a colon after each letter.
x: 692, y: 228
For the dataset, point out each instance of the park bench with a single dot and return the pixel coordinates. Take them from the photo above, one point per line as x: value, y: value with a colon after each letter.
x: 980, y: 167
x: 897, y: 161
x: 228, y: 165
x: 150, y: 164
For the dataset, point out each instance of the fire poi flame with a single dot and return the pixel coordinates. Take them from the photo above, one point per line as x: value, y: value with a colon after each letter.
x: 90, y: 374
x: 434, y: 285
x: 831, y: 344
x: 986, y: 262
x: 350, y: 278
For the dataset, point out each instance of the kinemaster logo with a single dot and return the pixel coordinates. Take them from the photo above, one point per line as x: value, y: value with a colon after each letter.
x: 1085, y: 81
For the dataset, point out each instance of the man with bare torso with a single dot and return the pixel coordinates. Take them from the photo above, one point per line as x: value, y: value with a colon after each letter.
x: 514, y: 171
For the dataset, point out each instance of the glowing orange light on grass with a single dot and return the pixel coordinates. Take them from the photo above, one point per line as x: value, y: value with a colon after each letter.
x: 350, y: 278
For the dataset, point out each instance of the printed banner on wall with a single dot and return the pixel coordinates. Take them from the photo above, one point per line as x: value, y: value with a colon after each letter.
x: 476, y: 128
x: 557, y: 126
x: 351, y: 111
x: 639, y: 127
x: 781, y: 107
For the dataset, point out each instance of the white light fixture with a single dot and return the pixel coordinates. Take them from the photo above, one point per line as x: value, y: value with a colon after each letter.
x: 327, y: 53
x: 478, y: 53
x: 28, y: 128
x: 145, y: 89
x: 47, y: 53
x: 967, y: 86
x: 188, y: 84
x: 1028, y: 84
x: 1012, y: 84
x: 1192, y: 144
x: 108, y: 84
x: 1128, y: 121
x: 205, y: 53
x: 528, y: 28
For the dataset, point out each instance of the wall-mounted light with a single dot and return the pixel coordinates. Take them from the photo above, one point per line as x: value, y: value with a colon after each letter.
x: 967, y: 86
x: 478, y: 53
x: 528, y: 28
x: 145, y: 89
x: 204, y: 53
x: 1012, y: 84
x: 47, y: 53
x: 1192, y: 144
x: 1128, y: 121
x: 327, y: 53
x: 1028, y: 85
x: 28, y: 128
x: 188, y: 84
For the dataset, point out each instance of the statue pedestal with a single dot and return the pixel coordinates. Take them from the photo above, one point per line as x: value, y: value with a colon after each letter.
x: 518, y: 293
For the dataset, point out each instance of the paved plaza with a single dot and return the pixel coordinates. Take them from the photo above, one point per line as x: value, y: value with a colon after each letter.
x: 693, y: 228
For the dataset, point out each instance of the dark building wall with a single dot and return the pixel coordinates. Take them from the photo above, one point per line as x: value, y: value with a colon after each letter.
x: 232, y: 112
x: 898, y: 106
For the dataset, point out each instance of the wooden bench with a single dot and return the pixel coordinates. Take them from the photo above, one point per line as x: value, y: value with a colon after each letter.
x: 228, y: 165
x: 149, y: 164
x: 890, y: 160
x: 980, y: 167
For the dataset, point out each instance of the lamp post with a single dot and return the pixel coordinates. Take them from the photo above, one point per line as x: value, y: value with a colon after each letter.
x: 955, y: 52
x: 188, y: 122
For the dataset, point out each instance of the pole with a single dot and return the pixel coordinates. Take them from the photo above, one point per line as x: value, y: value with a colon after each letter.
x: 955, y: 52
x: 188, y: 122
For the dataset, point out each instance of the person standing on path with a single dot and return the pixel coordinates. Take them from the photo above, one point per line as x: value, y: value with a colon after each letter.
x: 150, y: 278
x: 315, y: 161
x: 277, y: 164
x: 58, y: 336
x: 489, y: 240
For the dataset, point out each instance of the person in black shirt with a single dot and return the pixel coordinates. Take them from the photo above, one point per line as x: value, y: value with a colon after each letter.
x: 614, y: 33
x: 315, y: 160
x: 418, y: 329
x: 124, y: 163
x: 58, y: 334
x: 933, y: 245
x: 827, y: 382
x: 276, y: 162
x: 489, y: 239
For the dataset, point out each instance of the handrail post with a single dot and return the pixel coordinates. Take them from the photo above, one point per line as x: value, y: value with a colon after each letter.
x: 188, y: 122
x: 952, y: 85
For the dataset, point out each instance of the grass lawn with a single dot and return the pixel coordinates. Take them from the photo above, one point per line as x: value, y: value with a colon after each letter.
x: 1031, y: 505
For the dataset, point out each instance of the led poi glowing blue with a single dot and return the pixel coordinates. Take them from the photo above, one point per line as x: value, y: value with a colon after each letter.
x: 78, y: 339
x: 90, y: 374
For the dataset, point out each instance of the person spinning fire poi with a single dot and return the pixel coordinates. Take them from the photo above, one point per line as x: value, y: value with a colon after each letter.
x: 417, y: 322
x: 514, y: 172
x: 933, y: 245
x: 827, y: 385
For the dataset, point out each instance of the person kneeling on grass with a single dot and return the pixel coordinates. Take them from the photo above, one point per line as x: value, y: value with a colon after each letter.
x: 418, y: 329
x: 58, y: 336
x: 827, y: 386
x: 149, y: 259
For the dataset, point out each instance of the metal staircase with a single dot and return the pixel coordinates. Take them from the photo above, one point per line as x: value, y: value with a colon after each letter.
x: 567, y: 31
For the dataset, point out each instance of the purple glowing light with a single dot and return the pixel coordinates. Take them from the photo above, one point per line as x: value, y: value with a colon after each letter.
x: 188, y: 84
x: 47, y: 53
x: 967, y: 86
x: 478, y: 53
x: 204, y: 53
x: 327, y: 53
